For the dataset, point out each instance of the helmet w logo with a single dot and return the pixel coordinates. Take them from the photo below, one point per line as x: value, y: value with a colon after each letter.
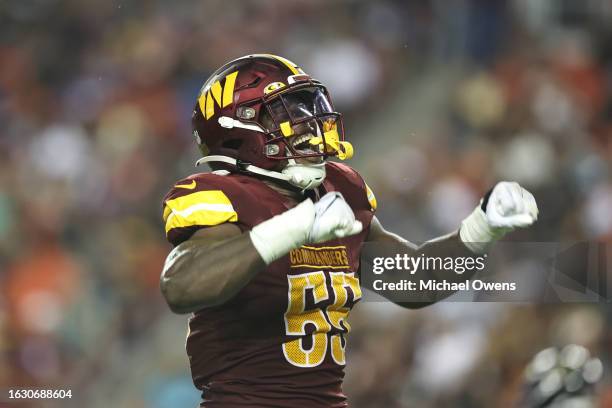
x: 217, y: 95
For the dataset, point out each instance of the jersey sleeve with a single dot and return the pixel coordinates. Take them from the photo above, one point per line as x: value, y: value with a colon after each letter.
x: 195, y: 203
x: 371, y: 197
x: 352, y: 185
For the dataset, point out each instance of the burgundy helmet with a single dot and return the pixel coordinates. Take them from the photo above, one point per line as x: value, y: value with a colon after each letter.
x: 261, y: 109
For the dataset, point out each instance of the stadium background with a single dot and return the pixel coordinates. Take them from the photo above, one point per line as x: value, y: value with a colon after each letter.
x: 441, y: 100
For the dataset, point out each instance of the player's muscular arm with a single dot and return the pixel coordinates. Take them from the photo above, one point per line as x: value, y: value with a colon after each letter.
x: 209, y: 269
x: 445, y: 246
x: 505, y: 207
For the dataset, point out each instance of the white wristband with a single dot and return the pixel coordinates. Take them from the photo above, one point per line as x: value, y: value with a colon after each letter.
x: 275, y: 237
x: 477, y: 234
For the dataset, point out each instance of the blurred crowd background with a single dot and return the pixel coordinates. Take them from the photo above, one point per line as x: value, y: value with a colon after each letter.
x: 441, y: 99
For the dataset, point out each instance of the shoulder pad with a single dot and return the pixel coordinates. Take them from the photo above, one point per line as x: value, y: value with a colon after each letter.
x: 350, y: 183
x: 195, y: 202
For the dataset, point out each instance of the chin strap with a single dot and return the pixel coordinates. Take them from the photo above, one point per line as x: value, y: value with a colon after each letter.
x: 249, y: 167
x: 289, y: 174
x: 313, y: 174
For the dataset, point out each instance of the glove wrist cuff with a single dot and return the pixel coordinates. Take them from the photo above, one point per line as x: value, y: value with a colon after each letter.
x: 477, y: 234
x: 275, y: 237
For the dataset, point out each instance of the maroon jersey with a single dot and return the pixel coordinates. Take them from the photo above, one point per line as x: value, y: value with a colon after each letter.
x: 280, y: 342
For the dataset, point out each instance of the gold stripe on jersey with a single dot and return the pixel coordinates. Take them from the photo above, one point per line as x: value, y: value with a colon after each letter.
x: 167, y: 212
x: 371, y: 198
x: 203, y: 208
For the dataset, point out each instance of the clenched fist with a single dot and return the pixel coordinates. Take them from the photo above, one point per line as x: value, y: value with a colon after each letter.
x: 333, y: 219
x: 509, y: 206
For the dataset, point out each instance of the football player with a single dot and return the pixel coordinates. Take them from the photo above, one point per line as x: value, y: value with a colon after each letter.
x: 267, y: 245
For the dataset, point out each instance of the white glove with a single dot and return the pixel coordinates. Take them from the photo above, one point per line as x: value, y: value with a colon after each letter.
x: 275, y: 237
x: 333, y: 219
x: 329, y: 218
x: 509, y: 206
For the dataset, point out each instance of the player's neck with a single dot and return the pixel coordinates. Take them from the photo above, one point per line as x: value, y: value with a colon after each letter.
x: 285, y: 191
x: 292, y: 194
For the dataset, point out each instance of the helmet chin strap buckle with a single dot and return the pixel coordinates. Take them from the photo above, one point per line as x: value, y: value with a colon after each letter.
x: 242, y: 166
